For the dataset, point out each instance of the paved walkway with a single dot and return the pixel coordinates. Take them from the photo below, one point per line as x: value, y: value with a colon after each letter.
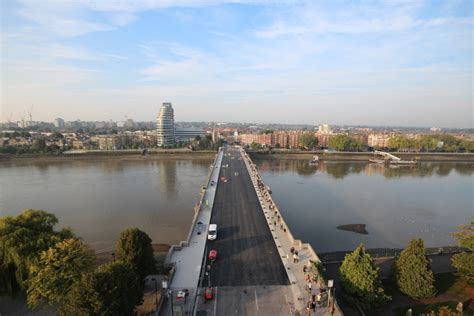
x: 188, y: 258
x: 298, y: 278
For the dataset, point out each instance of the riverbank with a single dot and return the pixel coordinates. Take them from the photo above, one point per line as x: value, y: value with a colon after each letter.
x: 361, y: 156
x: 100, y: 155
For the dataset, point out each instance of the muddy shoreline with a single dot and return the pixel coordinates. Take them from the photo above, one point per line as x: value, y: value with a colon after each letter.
x: 8, y: 159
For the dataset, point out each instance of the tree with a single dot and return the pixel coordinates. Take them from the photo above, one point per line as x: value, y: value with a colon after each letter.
x: 308, y: 140
x: 413, y: 271
x: 57, y: 135
x: 57, y: 269
x: 134, y: 248
x: 24, y: 236
x: 112, y: 289
x: 255, y: 146
x: 25, y: 134
x: 464, y: 261
x: 360, y: 280
x: 400, y: 142
x: 345, y: 143
x: 39, y: 145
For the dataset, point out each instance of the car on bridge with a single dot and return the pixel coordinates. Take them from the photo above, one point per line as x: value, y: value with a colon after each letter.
x: 212, y: 232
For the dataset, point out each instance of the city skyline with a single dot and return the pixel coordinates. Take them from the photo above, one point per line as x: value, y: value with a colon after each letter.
x: 296, y: 62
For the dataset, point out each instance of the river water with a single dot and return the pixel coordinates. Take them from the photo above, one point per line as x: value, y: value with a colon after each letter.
x: 397, y: 203
x: 99, y: 198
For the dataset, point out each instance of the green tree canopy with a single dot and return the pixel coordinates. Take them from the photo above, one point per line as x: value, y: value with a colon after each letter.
x: 464, y: 261
x: 134, y: 248
x: 308, y: 140
x: 39, y: 144
x: 57, y: 269
x: 112, y: 289
x: 360, y: 280
x: 413, y: 271
x: 345, y: 143
x: 255, y: 146
x: 401, y: 142
x: 24, y: 236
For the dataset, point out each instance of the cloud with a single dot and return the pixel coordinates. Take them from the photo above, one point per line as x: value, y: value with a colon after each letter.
x: 58, y: 51
x: 313, y: 18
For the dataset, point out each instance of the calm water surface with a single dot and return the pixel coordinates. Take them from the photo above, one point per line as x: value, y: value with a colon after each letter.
x: 100, y: 198
x: 396, y: 203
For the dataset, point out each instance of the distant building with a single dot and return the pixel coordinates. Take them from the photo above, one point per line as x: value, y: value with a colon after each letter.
x: 294, y: 139
x: 188, y: 134
x: 325, y: 129
x: 323, y: 139
x: 59, y: 122
x: 379, y: 140
x: 80, y: 144
x: 112, y: 142
x: 363, y: 138
x: 435, y: 129
x: 128, y: 123
x: 280, y: 139
x: 165, y: 126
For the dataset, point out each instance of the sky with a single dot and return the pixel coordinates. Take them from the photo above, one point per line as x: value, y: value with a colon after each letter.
x: 396, y: 63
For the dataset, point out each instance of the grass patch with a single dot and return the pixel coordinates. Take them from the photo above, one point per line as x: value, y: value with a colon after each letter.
x: 421, y: 309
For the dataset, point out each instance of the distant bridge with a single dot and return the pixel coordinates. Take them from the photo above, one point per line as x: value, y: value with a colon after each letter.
x: 382, y: 153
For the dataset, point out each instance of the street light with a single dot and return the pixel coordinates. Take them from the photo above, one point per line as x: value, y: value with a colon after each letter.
x: 156, y: 291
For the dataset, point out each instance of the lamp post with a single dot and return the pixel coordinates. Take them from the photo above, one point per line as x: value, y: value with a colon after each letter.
x: 156, y: 291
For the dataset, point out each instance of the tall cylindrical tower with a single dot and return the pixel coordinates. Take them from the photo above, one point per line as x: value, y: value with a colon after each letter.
x: 165, y: 125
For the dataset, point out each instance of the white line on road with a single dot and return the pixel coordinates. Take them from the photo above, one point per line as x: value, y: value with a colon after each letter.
x: 256, y: 299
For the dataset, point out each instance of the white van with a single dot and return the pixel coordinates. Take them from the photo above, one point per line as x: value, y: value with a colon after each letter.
x: 212, y: 233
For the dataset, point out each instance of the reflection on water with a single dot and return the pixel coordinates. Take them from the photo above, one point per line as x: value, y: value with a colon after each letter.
x: 397, y: 203
x: 339, y: 170
x: 99, y: 198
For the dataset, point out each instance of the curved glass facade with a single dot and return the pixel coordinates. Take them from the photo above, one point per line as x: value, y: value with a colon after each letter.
x: 165, y: 126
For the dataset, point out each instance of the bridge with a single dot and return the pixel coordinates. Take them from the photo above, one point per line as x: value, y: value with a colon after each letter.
x: 255, y: 273
x: 387, y: 155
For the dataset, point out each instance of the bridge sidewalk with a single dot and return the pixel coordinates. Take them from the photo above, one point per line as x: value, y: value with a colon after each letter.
x: 187, y: 258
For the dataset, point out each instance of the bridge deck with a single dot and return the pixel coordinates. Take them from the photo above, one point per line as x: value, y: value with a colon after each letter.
x: 246, y: 249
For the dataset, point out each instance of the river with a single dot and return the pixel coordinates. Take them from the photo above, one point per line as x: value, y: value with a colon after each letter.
x: 396, y: 203
x: 99, y: 198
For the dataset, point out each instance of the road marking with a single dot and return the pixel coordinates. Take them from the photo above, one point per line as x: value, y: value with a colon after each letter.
x: 215, y: 303
x: 256, y: 299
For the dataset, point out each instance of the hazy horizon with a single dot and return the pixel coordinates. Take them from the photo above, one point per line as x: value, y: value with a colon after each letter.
x: 404, y: 64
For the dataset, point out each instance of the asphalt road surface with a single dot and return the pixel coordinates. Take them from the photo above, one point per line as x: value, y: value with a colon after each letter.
x: 247, y: 254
